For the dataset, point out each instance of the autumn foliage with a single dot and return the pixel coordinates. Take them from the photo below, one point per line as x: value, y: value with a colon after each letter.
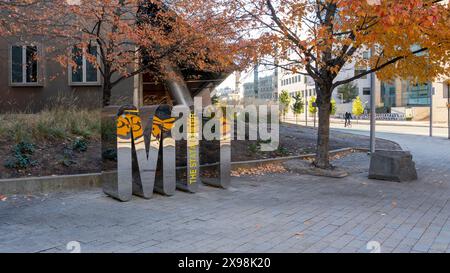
x: 133, y: 36
x: 407, y: 38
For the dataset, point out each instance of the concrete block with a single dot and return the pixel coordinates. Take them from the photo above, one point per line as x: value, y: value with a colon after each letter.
x: 392, y: 166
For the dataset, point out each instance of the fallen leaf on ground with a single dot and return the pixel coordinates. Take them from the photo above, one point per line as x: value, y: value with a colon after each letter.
x: 260, y: 170
x: 300, y: 234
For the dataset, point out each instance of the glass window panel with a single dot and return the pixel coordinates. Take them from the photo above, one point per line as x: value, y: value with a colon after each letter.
x: 16, y: 64
x: 388, y: 93
x: 31, y: 64
x: 366, y: 55
x: 419, y: 94
x: 91, y: 69
x: 77, y: 72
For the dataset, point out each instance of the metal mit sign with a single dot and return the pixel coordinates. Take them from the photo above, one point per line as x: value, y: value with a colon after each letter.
x: 141, y: 178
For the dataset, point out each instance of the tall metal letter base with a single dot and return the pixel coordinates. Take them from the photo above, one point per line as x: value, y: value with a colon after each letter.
x: 138, y: 154
x: 221, y: 173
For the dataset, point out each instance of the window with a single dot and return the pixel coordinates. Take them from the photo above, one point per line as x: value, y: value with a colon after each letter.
x: 388, y: 94
x: 366, y: 55
x: 366, y: 91
x: 24, y: 66
x: 419, y: 94
x: 84, y: 72
x: 359, y: 72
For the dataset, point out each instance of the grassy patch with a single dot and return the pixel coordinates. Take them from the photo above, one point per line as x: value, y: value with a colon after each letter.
x: 108, y: 130
x: 54, y: 124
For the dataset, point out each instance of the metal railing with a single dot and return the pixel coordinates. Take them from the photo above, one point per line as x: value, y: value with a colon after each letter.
x: 381, y: 116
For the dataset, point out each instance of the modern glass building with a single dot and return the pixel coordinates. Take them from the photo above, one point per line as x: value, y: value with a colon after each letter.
x: 388, y: 94
x: 404, y: 94
x: 418, y: 94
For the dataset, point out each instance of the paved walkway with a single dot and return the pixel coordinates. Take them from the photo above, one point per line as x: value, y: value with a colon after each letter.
x: 387, y: 128
x: 400, y: 127
x: 272, y: 213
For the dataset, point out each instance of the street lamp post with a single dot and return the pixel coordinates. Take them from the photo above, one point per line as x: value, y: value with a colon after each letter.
x: 448, y: 107
x: 430, y: 88
x: 372, y: 111
x: 306, y: 109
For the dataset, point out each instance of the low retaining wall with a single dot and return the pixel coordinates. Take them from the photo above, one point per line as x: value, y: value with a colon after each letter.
x: 58, y: 183
x: 47, y: 184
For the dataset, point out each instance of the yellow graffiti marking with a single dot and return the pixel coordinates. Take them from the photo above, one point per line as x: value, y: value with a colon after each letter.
x: 129, y: 120
x: 163, y: 125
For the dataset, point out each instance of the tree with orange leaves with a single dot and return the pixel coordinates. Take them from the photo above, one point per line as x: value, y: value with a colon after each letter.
x: 407, y: 38
x: 135, y: 36
x: 12, y: 15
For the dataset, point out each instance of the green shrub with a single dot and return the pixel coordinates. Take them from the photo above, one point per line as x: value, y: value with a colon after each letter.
x: 21, y: 159
x: 282, y: 151
x: 80, y: 145
x: 108, y: 130
x: 110, y: 154
x: 24, y: 148
x: 253, y: 147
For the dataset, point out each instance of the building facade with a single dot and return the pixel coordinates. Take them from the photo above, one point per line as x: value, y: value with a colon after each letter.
x: 249, y: 91
x: 303, y: 85
x: 398, y: 96
x: 32, y: 80
x: 267, y: 88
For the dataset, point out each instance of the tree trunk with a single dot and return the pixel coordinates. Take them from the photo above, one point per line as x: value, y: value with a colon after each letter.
x: 323, y: 132
x: 106, y: 94
x: 107, y: 86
